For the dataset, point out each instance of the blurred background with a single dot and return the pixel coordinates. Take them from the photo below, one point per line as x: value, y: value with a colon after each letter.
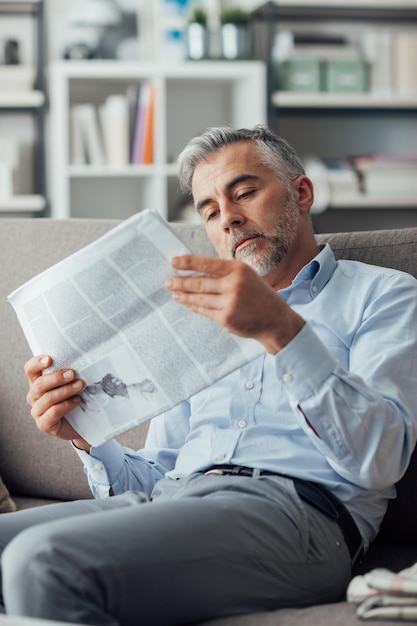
x: 98, y: 97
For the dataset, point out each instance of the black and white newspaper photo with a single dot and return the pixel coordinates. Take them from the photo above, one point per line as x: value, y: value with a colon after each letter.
x: 104, y: 311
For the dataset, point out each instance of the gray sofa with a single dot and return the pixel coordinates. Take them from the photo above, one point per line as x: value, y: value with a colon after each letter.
x: 38, y: 469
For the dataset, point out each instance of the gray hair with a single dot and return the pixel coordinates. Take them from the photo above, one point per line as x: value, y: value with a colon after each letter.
x: 274, y: 152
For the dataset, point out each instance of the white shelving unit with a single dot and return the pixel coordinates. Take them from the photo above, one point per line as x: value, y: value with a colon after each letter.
x: 190, y: 97
x: 22, y: 103
x: 13, y: 102
x: 339, y: 125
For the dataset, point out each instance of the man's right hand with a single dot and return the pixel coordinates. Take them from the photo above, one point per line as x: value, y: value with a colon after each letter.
x: 51, y: 396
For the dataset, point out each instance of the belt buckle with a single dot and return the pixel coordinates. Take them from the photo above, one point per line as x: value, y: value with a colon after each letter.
x: 217, y: 472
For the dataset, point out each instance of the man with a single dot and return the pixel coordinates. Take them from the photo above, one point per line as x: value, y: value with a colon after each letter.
x: 102, y: 392
x: 263, y: 490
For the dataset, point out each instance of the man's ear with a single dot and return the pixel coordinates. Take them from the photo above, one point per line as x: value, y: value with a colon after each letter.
x: 304, y: 190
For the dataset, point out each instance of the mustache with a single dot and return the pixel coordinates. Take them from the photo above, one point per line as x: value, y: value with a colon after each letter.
x: 238, y: 236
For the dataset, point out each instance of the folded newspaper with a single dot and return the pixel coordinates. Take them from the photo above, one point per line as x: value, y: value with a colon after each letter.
x: 104, y: 311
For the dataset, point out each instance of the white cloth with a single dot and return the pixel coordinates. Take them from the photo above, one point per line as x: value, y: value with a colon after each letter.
x: 385, y: 595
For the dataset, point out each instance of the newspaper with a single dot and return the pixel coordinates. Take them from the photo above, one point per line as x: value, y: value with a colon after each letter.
x: 104, y: 311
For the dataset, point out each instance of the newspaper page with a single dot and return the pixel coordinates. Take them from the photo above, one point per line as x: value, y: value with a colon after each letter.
x: 104, y: 311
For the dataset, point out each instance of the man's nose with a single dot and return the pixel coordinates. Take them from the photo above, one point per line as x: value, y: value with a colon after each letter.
x: 231, y: 215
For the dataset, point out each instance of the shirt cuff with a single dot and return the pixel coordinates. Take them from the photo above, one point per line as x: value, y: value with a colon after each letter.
x: 102, y: 465
x: 304, y: 364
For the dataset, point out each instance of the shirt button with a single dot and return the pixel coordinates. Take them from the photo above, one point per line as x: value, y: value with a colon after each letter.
x: 314, y: 288
x: 242, y: 423
x: 220, y: 457
x: 249, y: 385
x: 287, y: 378
x: 98, y: 467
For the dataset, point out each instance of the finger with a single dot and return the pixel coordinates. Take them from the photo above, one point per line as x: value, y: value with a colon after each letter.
x: 53, y: 420
x: 199, y: 283
x: 34, y: 367
x: 57, y: 396
x: 203, y: 264
x: 199, y: 303
x: 54, y: 380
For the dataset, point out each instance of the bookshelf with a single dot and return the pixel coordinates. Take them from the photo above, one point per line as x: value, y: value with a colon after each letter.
x: 189, y: 97
x: 329, y: 125
x: 23, y: 110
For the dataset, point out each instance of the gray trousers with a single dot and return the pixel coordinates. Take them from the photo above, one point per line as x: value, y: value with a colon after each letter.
x: 200, y: 548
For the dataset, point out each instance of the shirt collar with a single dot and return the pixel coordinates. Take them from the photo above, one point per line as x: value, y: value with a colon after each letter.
x: 317, y: 272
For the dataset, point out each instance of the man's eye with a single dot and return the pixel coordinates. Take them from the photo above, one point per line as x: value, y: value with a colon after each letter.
x: 211, y: 215
x: 244, y: 194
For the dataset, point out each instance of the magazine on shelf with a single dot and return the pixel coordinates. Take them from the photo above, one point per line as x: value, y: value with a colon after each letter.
x: 104, y: 311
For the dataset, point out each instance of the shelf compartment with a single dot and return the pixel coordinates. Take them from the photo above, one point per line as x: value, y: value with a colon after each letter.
x: 189, y: 97
x: 99, y: 197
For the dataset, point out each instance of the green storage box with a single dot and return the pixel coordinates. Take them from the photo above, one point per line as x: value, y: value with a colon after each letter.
x: 299, y: 75
x: 346, y: 76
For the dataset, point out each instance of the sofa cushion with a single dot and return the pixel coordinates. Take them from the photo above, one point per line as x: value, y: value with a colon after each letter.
x: 6, y: 503
x: 395, y: 248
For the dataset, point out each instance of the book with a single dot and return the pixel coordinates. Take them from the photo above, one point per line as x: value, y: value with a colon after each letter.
x: 114, y: 117
x: 405, y: 62
x: 132, y: 92
x: 143, y: 99
x: 142, y: 148
x: 78, y: 156
x: 104, y: 311
x: 377, y: 46
x: 90, y: 135
x: 9, y: 159
x: 148, y: 139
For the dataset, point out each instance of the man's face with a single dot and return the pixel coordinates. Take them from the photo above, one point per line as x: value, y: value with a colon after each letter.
x: 249, y: 214
x: 113, y: 386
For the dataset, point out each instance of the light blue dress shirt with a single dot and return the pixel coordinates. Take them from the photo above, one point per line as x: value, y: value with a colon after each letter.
x: 337, y: 405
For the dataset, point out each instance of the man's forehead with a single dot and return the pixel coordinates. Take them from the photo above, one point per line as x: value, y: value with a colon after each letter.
x: 227, y: 162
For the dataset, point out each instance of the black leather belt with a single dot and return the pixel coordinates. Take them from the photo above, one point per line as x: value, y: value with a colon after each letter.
x: 313, y: 493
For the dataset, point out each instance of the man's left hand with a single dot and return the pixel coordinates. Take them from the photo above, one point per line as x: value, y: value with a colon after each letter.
x: 233, y: 295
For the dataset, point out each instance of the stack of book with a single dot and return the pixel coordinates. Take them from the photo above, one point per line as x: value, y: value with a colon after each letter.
x: 335, y: 182
x: 387, y: 175
x: 343, y: 181
x: 117, y: 133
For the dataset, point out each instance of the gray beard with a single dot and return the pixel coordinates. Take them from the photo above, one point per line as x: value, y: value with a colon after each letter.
x: 278, y: 243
